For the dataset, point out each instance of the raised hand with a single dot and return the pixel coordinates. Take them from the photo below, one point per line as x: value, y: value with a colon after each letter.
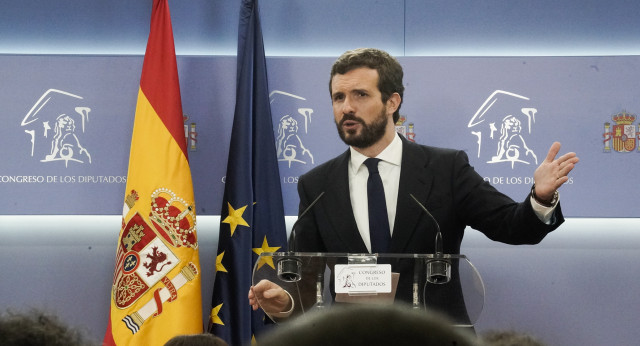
x: 552, y: 172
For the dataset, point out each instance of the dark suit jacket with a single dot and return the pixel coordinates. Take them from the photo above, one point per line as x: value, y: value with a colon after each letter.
x: 443, y: 181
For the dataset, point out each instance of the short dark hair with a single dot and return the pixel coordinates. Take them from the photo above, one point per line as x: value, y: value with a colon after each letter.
x: 389, y: 71
x: 360, y: 324
x: 36, y: 327
x: 204, y: 339
x: 509, y: 337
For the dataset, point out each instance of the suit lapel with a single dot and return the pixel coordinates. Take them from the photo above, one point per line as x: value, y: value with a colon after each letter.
x: 415, y: 180
x: 338, y: 206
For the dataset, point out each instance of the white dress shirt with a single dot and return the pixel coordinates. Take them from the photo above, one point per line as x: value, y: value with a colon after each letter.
x: 389, y: 168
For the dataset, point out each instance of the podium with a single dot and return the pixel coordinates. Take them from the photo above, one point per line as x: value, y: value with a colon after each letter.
x: 447, y: 284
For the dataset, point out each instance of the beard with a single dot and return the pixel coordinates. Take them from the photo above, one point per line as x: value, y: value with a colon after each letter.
x: 369, y: 134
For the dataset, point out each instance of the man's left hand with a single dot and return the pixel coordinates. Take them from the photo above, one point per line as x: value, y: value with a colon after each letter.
x: 552, y: 172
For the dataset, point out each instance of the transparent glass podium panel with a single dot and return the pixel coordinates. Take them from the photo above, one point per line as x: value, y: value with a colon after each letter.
x: 447, y: 284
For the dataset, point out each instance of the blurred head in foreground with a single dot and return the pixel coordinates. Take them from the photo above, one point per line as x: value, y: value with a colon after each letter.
x: 368, y: 325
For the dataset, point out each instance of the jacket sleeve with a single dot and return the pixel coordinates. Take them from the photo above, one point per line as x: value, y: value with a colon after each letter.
x: 493, y: 213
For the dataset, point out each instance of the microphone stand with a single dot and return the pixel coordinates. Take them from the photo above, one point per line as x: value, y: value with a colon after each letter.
x: 289, y: 267
x: 438, y: 269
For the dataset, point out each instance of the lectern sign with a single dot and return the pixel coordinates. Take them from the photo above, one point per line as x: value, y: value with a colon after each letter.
x: 363, y: 278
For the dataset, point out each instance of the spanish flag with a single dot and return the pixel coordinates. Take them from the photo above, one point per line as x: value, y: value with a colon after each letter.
x: 156, y: 290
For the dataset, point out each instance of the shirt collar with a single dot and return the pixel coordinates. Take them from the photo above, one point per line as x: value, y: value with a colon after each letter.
x: 391, y: 154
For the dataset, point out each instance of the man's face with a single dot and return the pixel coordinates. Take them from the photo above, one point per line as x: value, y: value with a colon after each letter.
x: 360, y: 115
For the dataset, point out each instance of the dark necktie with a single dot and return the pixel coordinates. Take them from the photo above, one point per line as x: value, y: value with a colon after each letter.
x: 378, y: 219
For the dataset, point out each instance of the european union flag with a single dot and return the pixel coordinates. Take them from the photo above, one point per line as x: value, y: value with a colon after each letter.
x: 252, y: 216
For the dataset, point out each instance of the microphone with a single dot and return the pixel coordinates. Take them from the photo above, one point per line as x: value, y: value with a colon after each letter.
x: 289, y: 266
x: 438, y: 269
x: 292, y: 239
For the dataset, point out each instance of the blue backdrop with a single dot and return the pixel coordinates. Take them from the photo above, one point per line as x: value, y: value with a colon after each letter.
x: 67, y: 125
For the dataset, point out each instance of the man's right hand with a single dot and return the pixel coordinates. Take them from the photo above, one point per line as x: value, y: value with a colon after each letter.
x: 270, y: 297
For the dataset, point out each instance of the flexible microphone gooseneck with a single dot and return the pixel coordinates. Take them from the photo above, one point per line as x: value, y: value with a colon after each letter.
x: 438, y: 269
x: 289, y: 266
x: 292, y: 239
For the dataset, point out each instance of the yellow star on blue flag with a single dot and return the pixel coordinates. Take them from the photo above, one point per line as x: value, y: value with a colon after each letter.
x: 219, y: 266
x: 235, y: 218
x: 265, y: 248
x: 214, y: 315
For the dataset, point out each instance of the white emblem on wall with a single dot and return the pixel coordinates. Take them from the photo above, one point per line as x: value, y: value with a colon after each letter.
x: 502, y: 125
x: 289, y: 144
x: 55, y: 125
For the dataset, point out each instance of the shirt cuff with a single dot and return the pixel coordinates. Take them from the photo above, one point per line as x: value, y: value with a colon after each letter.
x: 544, y: 213
x: 285, y: 314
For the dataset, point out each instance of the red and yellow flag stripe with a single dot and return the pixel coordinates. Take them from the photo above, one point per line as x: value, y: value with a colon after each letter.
x: 156, y: 292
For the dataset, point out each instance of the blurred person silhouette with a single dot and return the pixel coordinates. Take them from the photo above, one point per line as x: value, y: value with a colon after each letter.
x: 38, y: 328
x: 356, y: 325
x: 509, y: 338
x: 204, y: 339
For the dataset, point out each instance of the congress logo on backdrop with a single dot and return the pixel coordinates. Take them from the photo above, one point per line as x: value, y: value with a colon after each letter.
x: 622, y: 136
x: 55, y: 126
x: 293, y: 126
x: 503, y: 126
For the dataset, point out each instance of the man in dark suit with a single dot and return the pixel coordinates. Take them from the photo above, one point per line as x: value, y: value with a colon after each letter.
x: 366, y: 92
